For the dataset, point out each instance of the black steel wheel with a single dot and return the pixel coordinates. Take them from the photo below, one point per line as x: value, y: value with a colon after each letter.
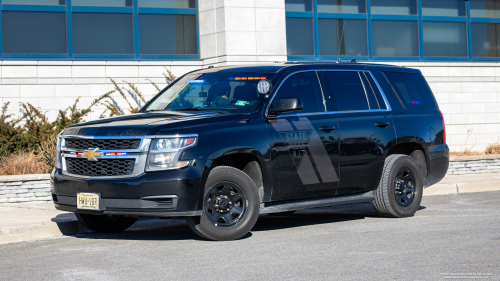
x: 400, y: 189
x: 105, y: 223
x: 231, y: 205
x: 404, y: 188
x: 225, y: 204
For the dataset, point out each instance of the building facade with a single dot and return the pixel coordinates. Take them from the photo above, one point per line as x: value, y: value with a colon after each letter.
x: 55, y: 51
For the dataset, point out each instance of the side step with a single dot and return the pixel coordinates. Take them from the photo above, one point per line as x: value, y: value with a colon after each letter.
x: 284, y: 206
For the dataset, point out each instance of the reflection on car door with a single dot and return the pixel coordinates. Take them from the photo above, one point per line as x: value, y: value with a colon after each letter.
x: 366, y: 128
x: 304, y: 144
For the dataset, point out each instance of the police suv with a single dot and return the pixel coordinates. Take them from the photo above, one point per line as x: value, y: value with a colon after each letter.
x: 220, y: 146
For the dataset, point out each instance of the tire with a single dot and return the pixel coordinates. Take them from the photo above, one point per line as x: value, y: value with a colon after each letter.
x: 104, y: 223
x: 239, y: 217
x: 393, y: 198
x: 288, y: 213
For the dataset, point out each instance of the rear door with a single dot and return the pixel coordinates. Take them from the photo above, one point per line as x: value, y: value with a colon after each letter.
x: 365, y: 125
x: 304, y: 144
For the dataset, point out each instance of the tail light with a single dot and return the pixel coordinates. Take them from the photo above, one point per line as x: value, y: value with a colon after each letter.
x: 444, y: 127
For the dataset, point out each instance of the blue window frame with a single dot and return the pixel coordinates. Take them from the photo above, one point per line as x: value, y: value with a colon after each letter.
x: 413, y: 30
x: 99, y: 29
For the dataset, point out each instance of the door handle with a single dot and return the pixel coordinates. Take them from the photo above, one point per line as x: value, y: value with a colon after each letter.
x: 327, y: 129
x: 382, y: 125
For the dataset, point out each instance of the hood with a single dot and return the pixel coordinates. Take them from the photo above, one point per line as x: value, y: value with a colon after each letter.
x: 142, y: 124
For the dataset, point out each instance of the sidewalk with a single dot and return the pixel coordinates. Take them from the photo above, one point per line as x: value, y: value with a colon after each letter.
x: 31, y: 221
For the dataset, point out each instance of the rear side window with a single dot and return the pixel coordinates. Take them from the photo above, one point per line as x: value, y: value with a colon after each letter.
x: 352, y: 91
x: 412, y: 90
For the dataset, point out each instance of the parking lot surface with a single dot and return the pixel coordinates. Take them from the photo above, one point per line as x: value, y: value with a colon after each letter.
x: 450, y: 236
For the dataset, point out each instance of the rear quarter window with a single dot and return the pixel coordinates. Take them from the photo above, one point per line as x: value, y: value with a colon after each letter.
x: 412, y: 90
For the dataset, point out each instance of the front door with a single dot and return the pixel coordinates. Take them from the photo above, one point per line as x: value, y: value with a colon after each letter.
x: 366, y: 129
x: 304, y: 144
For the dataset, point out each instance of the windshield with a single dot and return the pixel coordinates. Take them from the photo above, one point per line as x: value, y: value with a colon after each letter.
x: 233, y: 92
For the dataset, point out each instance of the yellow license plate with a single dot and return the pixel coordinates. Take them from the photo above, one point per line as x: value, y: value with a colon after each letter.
x: 88, y: 201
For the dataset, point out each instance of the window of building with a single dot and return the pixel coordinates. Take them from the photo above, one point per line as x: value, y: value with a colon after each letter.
x: 394, y: 7
x: 342, y: 37
x: 486, y: 40
x: 449, y: 8
x: 34, y: 2
x: 156, y: 31
x: 33, y: 32
x: 395, y: 38
x: 299, y: 39
x: 298, y: 5
x: 99, y: 29
x: 485, y: 8
x: 102, y: 3
x: 392, y: 30
x: 167, y: 3
x: 445, y: 39
x: 305, y: 86
x: 342, y: 6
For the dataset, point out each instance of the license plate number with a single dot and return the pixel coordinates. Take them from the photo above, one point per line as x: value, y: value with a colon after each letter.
x: 88, y: 201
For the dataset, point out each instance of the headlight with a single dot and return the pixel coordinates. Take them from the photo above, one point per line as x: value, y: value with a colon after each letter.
x: 58, y: 157
x: 164, y: 154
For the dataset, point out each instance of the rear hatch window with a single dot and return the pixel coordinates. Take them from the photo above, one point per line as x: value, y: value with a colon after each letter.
x: 412, y: 90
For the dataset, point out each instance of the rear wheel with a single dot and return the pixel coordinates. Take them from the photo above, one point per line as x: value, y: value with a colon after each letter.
x: 230, y: 205
x: 105, y: 223
x: 400, y: 190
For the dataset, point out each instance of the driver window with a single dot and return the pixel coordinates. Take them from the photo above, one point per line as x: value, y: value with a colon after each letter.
x: 304, y: 85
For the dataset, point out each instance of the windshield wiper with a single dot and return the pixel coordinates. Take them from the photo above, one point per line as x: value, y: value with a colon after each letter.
x: 155, y: 110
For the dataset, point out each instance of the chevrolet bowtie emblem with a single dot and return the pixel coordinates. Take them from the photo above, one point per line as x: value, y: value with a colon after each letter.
x: 91, y: 154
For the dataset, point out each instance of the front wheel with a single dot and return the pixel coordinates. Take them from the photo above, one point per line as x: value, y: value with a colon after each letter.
x: 105, y: 223
x: 230, y: 205
x: 400, y: 190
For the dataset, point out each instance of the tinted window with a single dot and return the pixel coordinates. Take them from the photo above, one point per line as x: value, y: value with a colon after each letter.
x: 35, y: 2
x: 102, y: 33
x: 450, y: 8
x: 102, y: 3
x: 348, y: 91
x: 372, y: 100
x: 304, y: 86
x: 485, y: 8
x: 298, y: 5
x: 33, y: 32
x: 412, y: 90
x: 157, y: 31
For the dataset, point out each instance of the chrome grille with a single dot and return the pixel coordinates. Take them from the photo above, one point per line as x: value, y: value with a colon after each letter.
x: 101, y: 168
x: 102, y: 144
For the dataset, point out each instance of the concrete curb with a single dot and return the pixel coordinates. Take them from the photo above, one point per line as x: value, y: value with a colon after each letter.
x: 464, y: 187
x: 40, y: 231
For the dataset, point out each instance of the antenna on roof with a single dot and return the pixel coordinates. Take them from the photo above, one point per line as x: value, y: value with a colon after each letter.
x: 340, y: 44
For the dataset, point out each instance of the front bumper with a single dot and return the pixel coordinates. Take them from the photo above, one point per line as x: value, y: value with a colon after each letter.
x: 160, y: 194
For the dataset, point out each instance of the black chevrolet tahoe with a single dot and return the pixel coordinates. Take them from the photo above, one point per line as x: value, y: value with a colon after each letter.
x: 219, y: 146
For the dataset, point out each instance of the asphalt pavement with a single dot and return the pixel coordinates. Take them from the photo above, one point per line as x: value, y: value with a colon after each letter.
x: 452, y: 236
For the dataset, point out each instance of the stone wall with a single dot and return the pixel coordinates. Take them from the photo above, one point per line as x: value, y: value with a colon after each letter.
x: 25, y: 188
x: 480, y: 164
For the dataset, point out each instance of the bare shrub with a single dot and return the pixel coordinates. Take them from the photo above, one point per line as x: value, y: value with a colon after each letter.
x: 23, y: 163
x: 492, y: 149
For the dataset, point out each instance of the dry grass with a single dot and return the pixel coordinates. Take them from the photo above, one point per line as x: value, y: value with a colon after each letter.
x: 493, y: 149
x: 23, y: 163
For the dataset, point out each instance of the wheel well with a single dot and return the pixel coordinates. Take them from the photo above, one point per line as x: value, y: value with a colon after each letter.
x: 413, y: 150
x: 248, y: 163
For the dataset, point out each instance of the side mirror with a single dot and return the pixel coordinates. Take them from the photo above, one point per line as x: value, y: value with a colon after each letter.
x: 287, y: 105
